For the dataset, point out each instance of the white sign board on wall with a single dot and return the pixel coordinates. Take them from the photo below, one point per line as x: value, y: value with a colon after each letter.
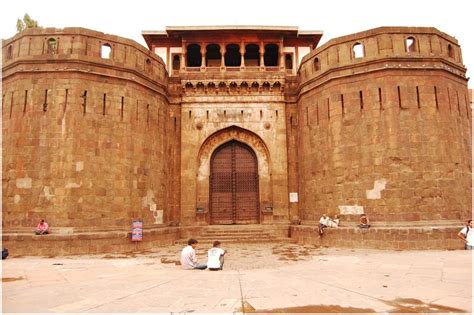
x: 293, y: 197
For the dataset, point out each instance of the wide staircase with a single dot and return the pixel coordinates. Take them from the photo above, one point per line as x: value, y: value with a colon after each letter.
x: 240, y: 234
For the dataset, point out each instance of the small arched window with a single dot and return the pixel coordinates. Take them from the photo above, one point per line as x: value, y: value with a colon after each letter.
x: 358, y: 50
x: 52, y: 46
x: 450, y: 51
x: 176, y: 62
x: 410, y: 43
x: 289, y: 61
x: 316, y: 64
x: 106, y: 51
x: 9, y: 52
x: 148, y: 64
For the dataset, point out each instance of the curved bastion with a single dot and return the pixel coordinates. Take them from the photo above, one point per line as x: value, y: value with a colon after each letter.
x: 84, y: 131
x: 385, y: 127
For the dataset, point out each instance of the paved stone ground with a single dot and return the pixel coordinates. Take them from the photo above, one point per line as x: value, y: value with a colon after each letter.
x: 256, y: 277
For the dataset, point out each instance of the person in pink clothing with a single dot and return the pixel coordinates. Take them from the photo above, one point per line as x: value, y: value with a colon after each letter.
x: 42, y: 228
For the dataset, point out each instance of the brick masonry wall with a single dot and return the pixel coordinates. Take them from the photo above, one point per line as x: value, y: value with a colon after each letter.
x: 84, y: 138
x: 389, y: 132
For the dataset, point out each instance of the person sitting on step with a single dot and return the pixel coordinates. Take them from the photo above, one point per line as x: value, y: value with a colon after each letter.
x: 42, y: 228
x: 323, y: 223
x: 364, y: 222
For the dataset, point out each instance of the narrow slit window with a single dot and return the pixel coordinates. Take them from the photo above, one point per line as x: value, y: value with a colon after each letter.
x: 121, y: 107
x: 136, y: 111
x: 467, y: 107
x: 307, y: 116
x: 11, y: 104
x: 459, y: 106
x: 45, y: 104
x: 104, y: 102
x: 436, y: 98
x: 342, y: 105
x: 380, y: 99
x: 449, y: 100
x: 207, y: 114
x: 317, y: 114
x: 399, y: 97
x: 9, y: 52
x: 25, y: 102
x: 418, y: 97
x: 147, y: 113
x: 84, y: 102
x: 361, y: 100
x: 327, y: 105
x: 66, y: 96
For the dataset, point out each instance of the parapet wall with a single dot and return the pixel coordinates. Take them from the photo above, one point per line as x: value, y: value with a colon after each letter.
x: 387, y: 133
x: 85, y: 138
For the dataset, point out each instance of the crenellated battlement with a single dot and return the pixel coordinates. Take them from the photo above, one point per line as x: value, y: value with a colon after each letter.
x: 382, y: 48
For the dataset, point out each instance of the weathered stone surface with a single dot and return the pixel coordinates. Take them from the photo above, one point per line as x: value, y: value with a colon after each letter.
x: 93, y: 143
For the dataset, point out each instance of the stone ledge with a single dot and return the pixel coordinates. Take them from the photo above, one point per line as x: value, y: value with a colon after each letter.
x: 393, y: 238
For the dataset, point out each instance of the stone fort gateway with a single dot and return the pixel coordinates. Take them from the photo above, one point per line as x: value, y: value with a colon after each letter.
x: 234, y: 132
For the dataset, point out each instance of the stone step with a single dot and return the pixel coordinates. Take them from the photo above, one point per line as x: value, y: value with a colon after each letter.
x: 235, y: 234
x: 242, y: 241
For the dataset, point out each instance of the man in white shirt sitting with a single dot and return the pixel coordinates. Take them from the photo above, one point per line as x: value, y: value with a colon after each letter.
x: 215, y: 257
x: 188, y: 256
x: 323, y: 223
x: 467, y: 235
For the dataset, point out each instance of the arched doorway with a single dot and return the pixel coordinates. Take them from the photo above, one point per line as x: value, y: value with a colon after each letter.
x: 234, y: 197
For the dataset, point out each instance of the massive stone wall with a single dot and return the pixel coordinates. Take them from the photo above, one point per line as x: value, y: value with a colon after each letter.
x: 86, y: 136
x: 387, y: 133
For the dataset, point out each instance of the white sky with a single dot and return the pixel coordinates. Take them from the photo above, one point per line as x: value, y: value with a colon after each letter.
x: 335, y: 18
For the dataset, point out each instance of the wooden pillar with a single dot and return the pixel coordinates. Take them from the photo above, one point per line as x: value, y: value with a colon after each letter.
x: 262, y: 53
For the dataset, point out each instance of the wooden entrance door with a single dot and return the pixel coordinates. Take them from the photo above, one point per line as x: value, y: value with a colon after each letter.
x: 234, y: 185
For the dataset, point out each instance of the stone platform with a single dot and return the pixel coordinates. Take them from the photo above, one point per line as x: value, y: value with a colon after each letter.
x: 256, y: 277
x: 430, y: 235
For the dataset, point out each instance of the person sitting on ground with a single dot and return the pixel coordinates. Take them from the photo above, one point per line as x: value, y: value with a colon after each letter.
x: 467, y: 235
x: 323, y: 223
x: 334, y: 223
x: 188, y: 256
x: 42, y: 228
x: 215, y: 257
x: 364, y: 222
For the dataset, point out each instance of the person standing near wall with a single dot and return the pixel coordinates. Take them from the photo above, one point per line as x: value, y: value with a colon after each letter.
x: 467, y: 235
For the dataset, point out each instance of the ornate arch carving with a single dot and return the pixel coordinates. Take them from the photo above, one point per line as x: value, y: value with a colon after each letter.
x: 223, y: 136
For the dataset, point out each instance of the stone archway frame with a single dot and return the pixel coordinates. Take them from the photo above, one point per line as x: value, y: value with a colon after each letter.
x: 204, y: 165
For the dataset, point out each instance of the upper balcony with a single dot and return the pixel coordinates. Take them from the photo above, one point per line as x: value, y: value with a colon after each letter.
x: 231, y: 50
